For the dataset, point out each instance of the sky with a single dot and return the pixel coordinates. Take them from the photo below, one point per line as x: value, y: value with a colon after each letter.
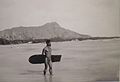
x: 92, y: 17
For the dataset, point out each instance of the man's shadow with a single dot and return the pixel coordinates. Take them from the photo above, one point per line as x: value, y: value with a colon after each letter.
x: 47, y: 78
x: 32, y: 72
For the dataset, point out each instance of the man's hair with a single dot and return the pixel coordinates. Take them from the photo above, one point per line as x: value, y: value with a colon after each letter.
x: 48, y: 41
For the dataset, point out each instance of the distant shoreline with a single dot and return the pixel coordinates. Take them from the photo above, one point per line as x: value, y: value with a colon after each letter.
x: 7, y: 42
x: 97, y: 38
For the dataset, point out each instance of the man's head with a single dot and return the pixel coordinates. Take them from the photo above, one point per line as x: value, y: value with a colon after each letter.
x: 48, y: 42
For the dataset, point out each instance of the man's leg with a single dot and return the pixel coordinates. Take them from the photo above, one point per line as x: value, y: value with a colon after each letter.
x: 46, y: 66
x: 50, y: 67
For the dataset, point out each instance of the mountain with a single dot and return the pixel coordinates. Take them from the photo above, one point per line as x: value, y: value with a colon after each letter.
x: 46, y: 31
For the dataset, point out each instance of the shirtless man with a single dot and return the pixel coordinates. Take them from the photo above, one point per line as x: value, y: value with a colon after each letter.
x: 47, y: 52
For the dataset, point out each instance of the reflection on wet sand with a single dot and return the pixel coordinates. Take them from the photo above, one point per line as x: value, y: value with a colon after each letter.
x: 48, y: 79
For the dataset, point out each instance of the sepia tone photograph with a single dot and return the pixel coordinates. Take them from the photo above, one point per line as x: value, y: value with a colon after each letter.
x: 59, y: 40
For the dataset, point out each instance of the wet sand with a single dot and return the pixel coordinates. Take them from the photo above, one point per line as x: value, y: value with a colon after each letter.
x: 82, y: 61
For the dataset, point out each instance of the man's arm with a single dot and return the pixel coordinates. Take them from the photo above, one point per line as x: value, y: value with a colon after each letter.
x: 43, y: 52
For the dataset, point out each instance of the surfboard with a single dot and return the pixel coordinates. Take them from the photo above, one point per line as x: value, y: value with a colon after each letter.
x: 40, y: 59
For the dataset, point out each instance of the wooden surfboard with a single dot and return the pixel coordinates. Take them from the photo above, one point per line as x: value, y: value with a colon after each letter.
x: 39, y: 59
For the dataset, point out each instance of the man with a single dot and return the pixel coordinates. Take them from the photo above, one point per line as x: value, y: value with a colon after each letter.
x: 47, y: 52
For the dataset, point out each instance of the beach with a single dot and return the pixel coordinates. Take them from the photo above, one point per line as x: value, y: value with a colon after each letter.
x: 82, y: 61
